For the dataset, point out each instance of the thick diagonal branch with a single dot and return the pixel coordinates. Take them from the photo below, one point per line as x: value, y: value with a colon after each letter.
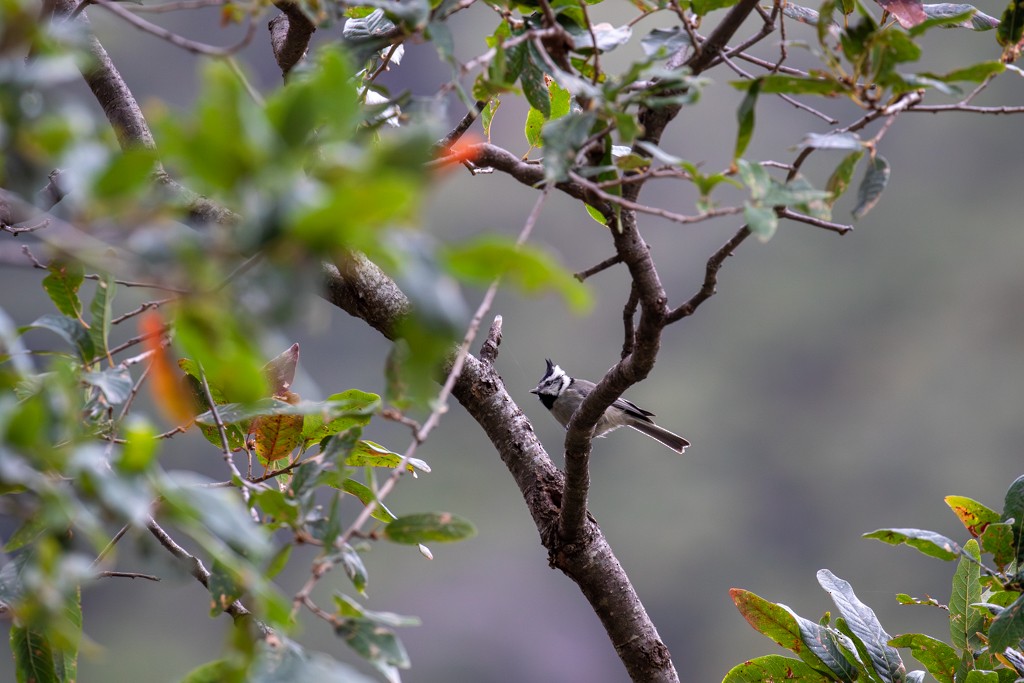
x: 363, y: 290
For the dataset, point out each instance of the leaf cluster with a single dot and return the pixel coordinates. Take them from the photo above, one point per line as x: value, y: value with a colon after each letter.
x: 986, y: 613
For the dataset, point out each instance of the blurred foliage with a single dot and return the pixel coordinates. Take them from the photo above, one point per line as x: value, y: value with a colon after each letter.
x: 330, y: 164
x: 986, y: 613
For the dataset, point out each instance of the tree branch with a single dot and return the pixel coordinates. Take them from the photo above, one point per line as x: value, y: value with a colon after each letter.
x: 125, y: 116
x: 290, y: 33
x: 630, y: 246
x: 359, y: 287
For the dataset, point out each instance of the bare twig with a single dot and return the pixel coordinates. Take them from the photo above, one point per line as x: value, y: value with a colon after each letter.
x: 127, y: 575
x: 175, y: 39
x: 198, y: 571
x: 443, y: 146
x: 594, y: 270
x: 709, y: 286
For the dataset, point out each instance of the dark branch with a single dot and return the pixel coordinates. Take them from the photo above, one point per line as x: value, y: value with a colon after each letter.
x: 290, y: 33
x: 363, y: 290
x: 709, y: 287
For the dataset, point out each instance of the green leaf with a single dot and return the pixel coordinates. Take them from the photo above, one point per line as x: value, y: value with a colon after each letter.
x: 114, y: 383
x: 937, y: 657
x: 218, y: 511
x: 865, y: 625
x: 975, y: 72
x: 997, y: 539
x: 66, y: 660
x: 29, y: 531
x: 225, y: 587
x: 562, y: 141
x: 761, y: 220
x: 210, y: 672
x: 437, y: 527
x: 928, y: 542
x: 775, y: 84
x: 276, y: 436
x: 608, y: 38
x: 662, y: 43
x: 595, y: 214
x: 316, y: 427
x: 774, y: 668
x: 871, y: 187
x: 280, y: 659
x: 70, y: 330
x: 535, y: 118
x: 856, y: 653
x: 353, y: 565
x: 279, y: 561
x: 351, y: 403
x: 1007, y: 628
x: 365, y: 494
x: 101, y: 310
x: 367, y: 453
x: 965, y: 622
x: 745, y: 117
x: 487, y: 115
x: 979, y: 21
x: 840, y: 178
x: 975, y: 516
x: 219, y: 343
x: 321, y: 100
x: 532, y: 80
x: 788, y: 630
x: 1011, y: 28
x: 529, y: 268
x: 702, y: 7
x: 1013, y: 514
x: 62, y: 286
x: 33, y: 656
x: 127, y: 174
x: 534, y: 123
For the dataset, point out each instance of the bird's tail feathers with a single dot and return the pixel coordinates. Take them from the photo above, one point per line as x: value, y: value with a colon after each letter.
x: 662, y: 435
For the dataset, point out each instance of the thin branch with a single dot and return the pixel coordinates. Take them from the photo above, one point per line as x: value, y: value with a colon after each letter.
x: 107, y: 549
x: 179, y: 5
x: 839, y: 228
x: 198, y: 571
x: 710, y: 284
x: 786, y: 98
x: 184, y: 43
x: 653, y: 210
x: 602, y: 266
x: 628, y: 328
x: 127, y: 575
x: 225, y: 445
x: 443, y: 146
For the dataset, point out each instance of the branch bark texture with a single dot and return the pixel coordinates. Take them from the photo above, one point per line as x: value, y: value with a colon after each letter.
x: 360, y: 288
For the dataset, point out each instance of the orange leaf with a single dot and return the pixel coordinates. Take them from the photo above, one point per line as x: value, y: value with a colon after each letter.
x: 168, y: 393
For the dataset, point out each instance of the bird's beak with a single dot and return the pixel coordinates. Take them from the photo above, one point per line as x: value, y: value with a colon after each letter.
x: 535, y: 390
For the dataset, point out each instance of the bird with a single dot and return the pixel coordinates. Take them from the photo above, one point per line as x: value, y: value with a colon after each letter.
x: 562, y: 395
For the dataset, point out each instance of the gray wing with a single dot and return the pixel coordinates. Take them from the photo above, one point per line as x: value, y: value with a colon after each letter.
x: 633, y: 410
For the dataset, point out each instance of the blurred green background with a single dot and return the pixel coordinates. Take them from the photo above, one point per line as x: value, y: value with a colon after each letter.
x: 835, y: 385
